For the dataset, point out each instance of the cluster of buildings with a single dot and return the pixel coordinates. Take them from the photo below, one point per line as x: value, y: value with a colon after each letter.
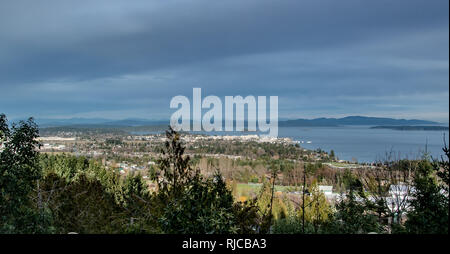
x: 57, y: 139
x: 125, y: 167
x: 240, y: 138
x: 397, y: 199
x: 159, y: 138
x: 54, y: 143
x: 48, y: 146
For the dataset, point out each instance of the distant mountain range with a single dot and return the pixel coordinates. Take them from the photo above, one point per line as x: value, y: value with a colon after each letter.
x: 352, y: 120
x: 318, y: 122
x: 98, y: 122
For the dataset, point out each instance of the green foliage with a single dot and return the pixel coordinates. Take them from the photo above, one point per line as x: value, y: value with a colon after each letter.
x: 350, y: 181
x: 247, y: 217
x: 64, y: 165
x: 92, y: 199
x: 138, y: 206
x: 19, y: 171
x: 174, y: 167
x: 289, y: 225
x: 443, y: 168
x: 430, y: 205
x: 351, y: 217
x: 205, y: 207
x: 317, y: 209
x: 81, y: 206
x: 332, y: 155
x: 189, y: 202
x: 279, y: 208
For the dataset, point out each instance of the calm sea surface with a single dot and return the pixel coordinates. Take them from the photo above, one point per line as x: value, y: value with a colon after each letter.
x: 367, y: 145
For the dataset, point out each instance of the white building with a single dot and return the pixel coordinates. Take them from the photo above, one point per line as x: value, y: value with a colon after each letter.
x: 400, y: 196
x: 326, y: 189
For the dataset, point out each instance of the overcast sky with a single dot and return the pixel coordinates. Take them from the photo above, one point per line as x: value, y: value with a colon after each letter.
x: 127, y: 59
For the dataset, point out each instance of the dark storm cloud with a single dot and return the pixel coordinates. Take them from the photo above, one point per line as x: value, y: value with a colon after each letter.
x: 122, y: 58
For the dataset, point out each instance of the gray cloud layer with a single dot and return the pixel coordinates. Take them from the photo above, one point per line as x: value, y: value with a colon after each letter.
x: 122, y: 59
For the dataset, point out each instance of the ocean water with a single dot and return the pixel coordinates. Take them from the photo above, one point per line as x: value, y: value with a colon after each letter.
x: 363, y: 144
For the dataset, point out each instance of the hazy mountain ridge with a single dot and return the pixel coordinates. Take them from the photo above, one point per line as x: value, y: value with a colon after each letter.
x: 97, y: 122
x: 353, y: 120
x: 317, y: 122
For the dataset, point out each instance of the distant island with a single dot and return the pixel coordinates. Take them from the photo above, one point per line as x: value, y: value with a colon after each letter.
x: 353, y: 120
x: 413, y: 128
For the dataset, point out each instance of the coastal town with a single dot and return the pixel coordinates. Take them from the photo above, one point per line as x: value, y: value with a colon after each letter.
x: 129, y: 154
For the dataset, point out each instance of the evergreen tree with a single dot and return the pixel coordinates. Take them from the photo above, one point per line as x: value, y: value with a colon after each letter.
x: 430, y: 206
x: 19, y: 173
x: 352, y: 216
x: 189, y: 202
